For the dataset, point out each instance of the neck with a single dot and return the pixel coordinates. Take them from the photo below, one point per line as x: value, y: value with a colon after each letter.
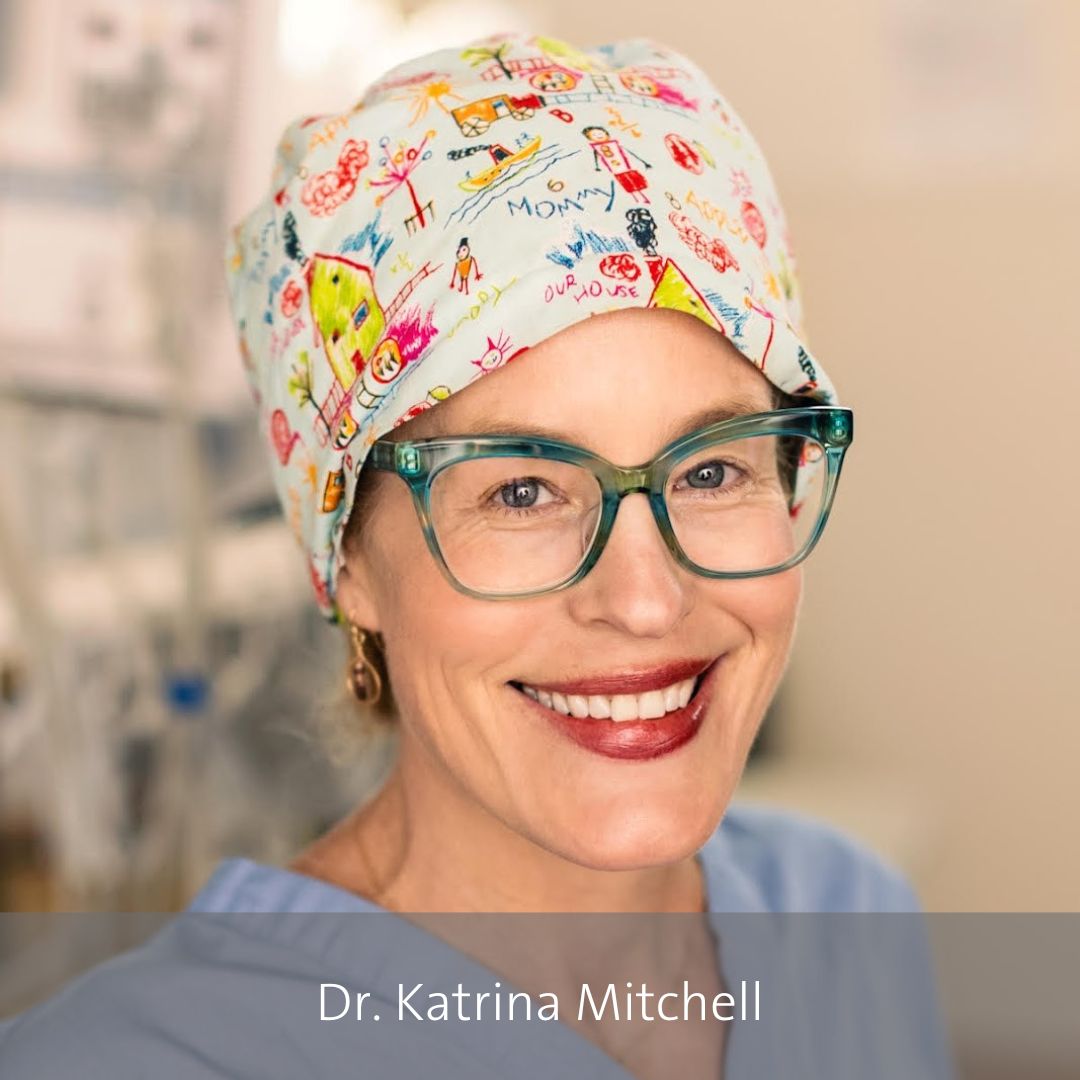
x: 423, y: 845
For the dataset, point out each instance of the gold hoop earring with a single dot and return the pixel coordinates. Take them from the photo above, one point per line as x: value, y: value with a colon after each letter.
x: 364, y: 679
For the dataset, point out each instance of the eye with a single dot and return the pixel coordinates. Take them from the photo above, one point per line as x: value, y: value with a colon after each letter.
x: 709, y: 474
x: 521, y: 493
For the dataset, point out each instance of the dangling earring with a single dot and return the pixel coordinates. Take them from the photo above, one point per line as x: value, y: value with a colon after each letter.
x: 364, y: 679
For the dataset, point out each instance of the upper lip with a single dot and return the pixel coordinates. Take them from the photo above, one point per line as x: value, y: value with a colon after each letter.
x: 629, y: 681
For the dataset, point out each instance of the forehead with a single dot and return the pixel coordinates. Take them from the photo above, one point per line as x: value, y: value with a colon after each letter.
x: 623, y: 383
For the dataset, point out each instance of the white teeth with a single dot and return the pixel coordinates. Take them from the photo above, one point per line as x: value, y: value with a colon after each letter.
x: 599, y: 707
x: 650, y: 705
x: 579, y: 705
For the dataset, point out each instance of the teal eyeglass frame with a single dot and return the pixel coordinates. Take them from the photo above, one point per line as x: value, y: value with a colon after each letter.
x: 418, y: 462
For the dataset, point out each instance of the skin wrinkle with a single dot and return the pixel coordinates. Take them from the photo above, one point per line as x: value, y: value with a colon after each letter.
x: 487, y: 807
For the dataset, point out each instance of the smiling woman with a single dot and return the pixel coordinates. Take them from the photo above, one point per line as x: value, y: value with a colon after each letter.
x: 556, y: 472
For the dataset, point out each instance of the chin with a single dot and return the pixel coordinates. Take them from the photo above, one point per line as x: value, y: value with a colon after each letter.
x: 639, y: 837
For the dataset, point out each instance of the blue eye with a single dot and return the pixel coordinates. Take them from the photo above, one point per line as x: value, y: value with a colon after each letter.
x: 709, y: 474
x: 520, y: 493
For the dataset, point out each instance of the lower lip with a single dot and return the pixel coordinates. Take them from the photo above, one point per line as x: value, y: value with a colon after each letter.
x: 636, y: 740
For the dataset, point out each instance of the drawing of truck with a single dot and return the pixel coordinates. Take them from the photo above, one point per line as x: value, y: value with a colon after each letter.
x: 477, y: 116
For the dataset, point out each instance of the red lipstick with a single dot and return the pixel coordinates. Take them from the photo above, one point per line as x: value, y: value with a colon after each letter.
x: 633, y: 740
x: 633, y: 681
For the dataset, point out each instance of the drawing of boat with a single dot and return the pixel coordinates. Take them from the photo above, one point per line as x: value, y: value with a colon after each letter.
x: 504, y: 160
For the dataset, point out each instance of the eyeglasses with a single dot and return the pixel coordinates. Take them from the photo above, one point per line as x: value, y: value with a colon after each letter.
x: 509, y: 516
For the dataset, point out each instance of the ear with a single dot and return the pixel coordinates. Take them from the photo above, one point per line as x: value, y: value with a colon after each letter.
x: 355, y: 596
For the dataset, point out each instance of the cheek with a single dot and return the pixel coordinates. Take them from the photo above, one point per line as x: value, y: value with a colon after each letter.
x: 761, y: 615
x: 447, y: 651
x: 766, y: 607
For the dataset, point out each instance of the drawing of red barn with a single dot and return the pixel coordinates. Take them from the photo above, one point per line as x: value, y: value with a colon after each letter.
x: 543, y: 74
x: 477, y: 116
x: 358, y: 338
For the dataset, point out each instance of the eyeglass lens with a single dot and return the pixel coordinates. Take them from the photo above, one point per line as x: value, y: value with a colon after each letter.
x: 517, y: 524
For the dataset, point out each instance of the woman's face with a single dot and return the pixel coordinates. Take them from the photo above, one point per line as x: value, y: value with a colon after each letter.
x: 620, y: 385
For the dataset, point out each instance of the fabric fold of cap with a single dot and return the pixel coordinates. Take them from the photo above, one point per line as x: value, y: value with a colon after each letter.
x: 474, y: 202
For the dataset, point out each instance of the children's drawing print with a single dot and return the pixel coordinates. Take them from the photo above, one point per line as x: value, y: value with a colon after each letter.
x: 325, y: 192
x: 397, y: 167
x: 655, y: 83
x: 741, y: 186
x: 371, y: 242
x: 755, y: 305
x: 493, y: 55
x: 710, y: 248
x: 541, y: 72
x: 346, y: 313
x: 334, y: 491
x: 361, y: 339
x: 290, y: 241
x: 684, y: 153
x: 582, y: 243
x: 435, y: 395
x: 472, y: 203
x: 673, y: 289
x: 755, y: 223
x: 292, y: 296
x: 513, y: 176
x: 610, y: 154
x: 421, y: 96
x: 621, y: 265
x: 464, y: 266
x: 641, y: 226
x: 618, y: 123
x: 807, y: 366
x: 282, y: 436
x: 477, y: 116
x: 498, y: 353
x: 502, y: 161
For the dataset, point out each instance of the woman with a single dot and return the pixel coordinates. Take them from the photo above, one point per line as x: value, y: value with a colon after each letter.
x: 617, y: 321
x: 562, y: 514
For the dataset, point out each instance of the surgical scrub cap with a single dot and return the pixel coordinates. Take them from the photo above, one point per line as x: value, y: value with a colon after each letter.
x: 474, y: 202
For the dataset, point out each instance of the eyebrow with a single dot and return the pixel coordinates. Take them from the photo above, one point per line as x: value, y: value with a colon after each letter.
x: 712, y: 414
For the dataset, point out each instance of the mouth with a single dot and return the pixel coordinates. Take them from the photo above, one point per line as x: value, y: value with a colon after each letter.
x: 657, y: 713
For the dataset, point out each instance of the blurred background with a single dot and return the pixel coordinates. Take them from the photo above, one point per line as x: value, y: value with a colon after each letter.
x: 164, y: 674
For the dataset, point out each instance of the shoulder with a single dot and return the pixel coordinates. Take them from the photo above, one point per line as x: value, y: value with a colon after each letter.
x: 189, y: 1002
x: 766, y: 859
x: 96, y: 1016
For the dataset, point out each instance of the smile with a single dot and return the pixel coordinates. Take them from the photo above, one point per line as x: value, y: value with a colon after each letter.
x: 664, y: 711
x: 650, y: 705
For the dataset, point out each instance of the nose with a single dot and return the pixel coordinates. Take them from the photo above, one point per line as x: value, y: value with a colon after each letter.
x: 636, y: 585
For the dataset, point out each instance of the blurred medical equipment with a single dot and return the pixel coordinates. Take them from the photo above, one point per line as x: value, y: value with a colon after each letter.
x: 150, y: 714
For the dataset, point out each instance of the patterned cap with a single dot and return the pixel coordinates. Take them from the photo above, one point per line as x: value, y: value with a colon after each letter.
x: 474, y: 202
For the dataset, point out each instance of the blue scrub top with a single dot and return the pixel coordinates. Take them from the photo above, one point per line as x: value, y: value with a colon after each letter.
x: 229, y: 989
